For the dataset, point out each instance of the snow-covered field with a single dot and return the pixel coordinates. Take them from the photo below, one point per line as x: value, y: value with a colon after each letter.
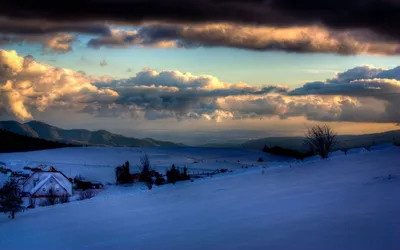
x: 346, y: 202
x: 98, y: 163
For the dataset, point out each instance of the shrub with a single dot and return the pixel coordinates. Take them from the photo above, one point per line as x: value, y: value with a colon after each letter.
x: 149, y: 184
x: 321, y: 140
x: 174, y: 175
x: 159, y: 180
x: 44, y: 203
x: 123, y: 174
x: 63, y: 199
x: 32, y: 202
x: 10, y: 198
x: 260, y: 159
x: 144, y: 167
x: 87, y: 194
x: 276, y: 150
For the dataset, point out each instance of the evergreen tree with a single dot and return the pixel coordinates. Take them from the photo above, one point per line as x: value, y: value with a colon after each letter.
x: 10, y: 198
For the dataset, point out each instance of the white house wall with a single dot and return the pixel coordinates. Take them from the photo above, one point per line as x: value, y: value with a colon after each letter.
x: 58, y: 181
x: 51, y: 183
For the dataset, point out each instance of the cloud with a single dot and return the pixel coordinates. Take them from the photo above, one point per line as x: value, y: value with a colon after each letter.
x: 26, y: 84
x: 51, y: 43
x: 336, y: 26
x: 128, y: 38
x: 55, y: 37
x: 61, y: 42
x: 362, y: 83
x: 42, y: 26
x: 356, y: 95
x: 261, y: 38
x: 378, y: 16
x: 103, y: 63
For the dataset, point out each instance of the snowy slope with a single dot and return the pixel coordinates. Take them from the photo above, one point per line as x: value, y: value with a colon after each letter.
x: 346, y: 202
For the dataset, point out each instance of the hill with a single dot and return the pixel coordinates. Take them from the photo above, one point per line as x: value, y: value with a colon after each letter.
x: 345, y: 141
x: 12, y: 142
x: 45, y: 131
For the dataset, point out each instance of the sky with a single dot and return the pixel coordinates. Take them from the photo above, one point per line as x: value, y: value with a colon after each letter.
x: 185, y: 69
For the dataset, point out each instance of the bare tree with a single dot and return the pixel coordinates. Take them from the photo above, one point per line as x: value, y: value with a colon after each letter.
x: 146, y: 171
x: 321, y: 140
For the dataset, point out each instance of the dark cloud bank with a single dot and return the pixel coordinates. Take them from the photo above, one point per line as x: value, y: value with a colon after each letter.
x: 378, y: 15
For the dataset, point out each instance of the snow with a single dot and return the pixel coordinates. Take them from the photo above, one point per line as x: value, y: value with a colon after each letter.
x: 345, y: 202
x: 98, y: 163
x: 357, y: 151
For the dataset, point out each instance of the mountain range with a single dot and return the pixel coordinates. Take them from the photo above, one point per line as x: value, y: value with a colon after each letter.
x: 296, y: 143
x: 37, y: 129
x: 45, y: 131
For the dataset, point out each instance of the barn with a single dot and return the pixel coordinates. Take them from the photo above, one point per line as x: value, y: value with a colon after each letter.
x: 43, y: 184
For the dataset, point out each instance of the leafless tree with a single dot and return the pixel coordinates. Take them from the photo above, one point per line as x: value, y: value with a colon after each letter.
x: 321, y: 140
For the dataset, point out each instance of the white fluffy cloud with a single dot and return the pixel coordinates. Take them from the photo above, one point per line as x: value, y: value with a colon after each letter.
x: 362, y: 94
x: 27, y: 84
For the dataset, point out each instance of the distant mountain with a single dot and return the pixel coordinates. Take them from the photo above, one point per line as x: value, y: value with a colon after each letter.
x: 45, y: 131
x: 12, y: 142
x: 345, y: 141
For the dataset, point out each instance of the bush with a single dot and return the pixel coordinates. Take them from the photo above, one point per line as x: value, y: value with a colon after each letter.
x: 63, y: 199
x: 32, y: 202
x: 159, y: 180
x: 260, y: 159
x: 174, y: 175
x: 10, y: 198
x: 44, y: 203
x: 149, y: 184
x: 87, y: 194
x: 52, y: 197
x: 144, y: 167
x: 123, y: 174
x: 276, y: 150
x: 321, y: 140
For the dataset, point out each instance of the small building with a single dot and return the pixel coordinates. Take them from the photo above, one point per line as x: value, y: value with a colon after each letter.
x: 47, y: 183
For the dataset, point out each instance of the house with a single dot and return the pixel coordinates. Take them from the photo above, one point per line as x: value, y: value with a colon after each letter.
x: 42, y: 184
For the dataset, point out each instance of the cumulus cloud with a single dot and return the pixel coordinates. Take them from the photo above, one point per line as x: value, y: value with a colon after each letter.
x: 358, y: 95
x: 262, y: 38
x: 26, y: 84
x: 363, y: 83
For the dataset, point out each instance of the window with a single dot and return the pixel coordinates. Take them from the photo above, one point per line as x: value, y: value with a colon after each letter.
x: 57, y: 190
x: 51, y: 180
x: 44, y: 189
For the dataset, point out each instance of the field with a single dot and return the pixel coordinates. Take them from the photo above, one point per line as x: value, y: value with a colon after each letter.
x: 345, y: 202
